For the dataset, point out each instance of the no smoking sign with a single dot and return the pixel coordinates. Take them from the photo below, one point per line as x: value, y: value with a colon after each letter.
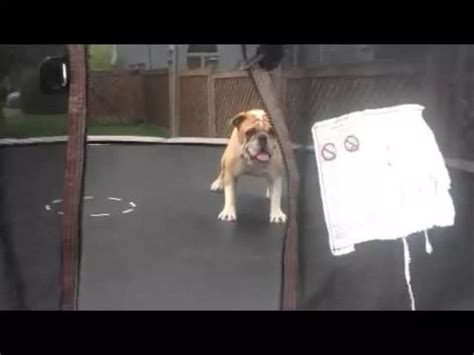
x: 351, y: 143
x: 329, y: 150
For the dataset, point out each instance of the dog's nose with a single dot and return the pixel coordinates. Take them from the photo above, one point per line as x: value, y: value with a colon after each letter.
x: 262, y: 139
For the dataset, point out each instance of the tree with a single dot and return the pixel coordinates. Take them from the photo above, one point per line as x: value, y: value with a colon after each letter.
x: 5, y: 60
x: 100, y: 57
x: 6, y: 56
x: 5, y: 63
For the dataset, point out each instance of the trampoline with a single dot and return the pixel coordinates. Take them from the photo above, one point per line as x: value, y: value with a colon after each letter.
x: 151, y: 238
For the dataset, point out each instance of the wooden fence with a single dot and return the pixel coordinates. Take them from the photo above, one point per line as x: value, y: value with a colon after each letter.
x: 129, y: 97
x: 208, y: 100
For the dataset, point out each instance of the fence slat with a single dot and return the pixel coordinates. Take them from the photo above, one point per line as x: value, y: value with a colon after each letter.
x: 211, y: 106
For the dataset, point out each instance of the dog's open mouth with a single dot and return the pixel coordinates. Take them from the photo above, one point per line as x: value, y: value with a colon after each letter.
x: 263, y: 156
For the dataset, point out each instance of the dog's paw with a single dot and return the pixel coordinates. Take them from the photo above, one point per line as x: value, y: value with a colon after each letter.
x: 227, y: 215
x: 277, y: 217
x: 217, y: 185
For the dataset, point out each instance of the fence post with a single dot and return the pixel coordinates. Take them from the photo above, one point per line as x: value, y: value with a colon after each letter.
x: 146, y: 98
x: 174, y: 90
x: 211, y: 106
x: 280, y: 86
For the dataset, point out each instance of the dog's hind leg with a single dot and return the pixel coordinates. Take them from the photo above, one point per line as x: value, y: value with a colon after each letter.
x: 269, y: 191
x: 218, y: 184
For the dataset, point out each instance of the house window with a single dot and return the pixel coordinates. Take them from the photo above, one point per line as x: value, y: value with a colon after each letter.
x: 137, y: 66
x: 291, y: 57
x: 200, y: 56
x: 345, y: 53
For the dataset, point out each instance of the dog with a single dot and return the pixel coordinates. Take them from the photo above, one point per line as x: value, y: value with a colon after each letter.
x: 252, y: 150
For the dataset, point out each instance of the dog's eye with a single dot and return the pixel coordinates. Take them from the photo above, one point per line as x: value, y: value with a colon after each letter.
x: 272, y: 131
x: 249, y: 133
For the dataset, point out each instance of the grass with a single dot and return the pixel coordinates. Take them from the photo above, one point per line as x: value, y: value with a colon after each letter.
x: 28, y: 126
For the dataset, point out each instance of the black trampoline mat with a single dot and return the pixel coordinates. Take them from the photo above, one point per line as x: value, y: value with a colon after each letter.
x: 30, y: 178
x: 171, y: 251
x: 162, y: 247
x: 372, y: 277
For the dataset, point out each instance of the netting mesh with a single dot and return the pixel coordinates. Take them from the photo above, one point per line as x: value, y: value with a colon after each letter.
x: 156, y: 96
x: 193, y: 107
x: 208, y: 100
x: 313, y: 99
x: 116, y: 97
x: 232, y: 95
x: 309, y: 87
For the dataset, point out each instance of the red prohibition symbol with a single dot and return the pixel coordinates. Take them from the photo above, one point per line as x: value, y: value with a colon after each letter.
x: 329, y: 152
x: 351, y: 143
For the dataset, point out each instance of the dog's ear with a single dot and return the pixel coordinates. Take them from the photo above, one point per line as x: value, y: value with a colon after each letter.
x: 237, y: 119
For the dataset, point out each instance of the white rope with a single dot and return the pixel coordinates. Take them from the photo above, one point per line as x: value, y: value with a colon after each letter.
x: 406, y: 255
x: 428, y: 246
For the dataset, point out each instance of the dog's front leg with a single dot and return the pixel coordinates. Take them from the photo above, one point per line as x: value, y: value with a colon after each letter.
x: 276, y: 214
x: 228, y: 213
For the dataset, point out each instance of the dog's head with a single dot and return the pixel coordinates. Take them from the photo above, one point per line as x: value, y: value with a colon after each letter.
x: 256, y: 135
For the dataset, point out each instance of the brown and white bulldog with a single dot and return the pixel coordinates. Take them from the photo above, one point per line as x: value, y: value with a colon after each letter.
x: 252, y: 150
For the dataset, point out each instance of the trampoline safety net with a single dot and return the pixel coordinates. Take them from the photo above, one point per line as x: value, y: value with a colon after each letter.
x: 236, y: 177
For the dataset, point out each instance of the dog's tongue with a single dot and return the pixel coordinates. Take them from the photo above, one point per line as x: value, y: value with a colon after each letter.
x: 263, y: 156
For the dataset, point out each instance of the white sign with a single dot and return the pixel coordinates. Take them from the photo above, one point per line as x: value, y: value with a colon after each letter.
x: 382, y: 176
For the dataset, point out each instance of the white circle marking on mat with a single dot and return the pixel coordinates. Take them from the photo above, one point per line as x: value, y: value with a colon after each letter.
x: 131, y: 206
